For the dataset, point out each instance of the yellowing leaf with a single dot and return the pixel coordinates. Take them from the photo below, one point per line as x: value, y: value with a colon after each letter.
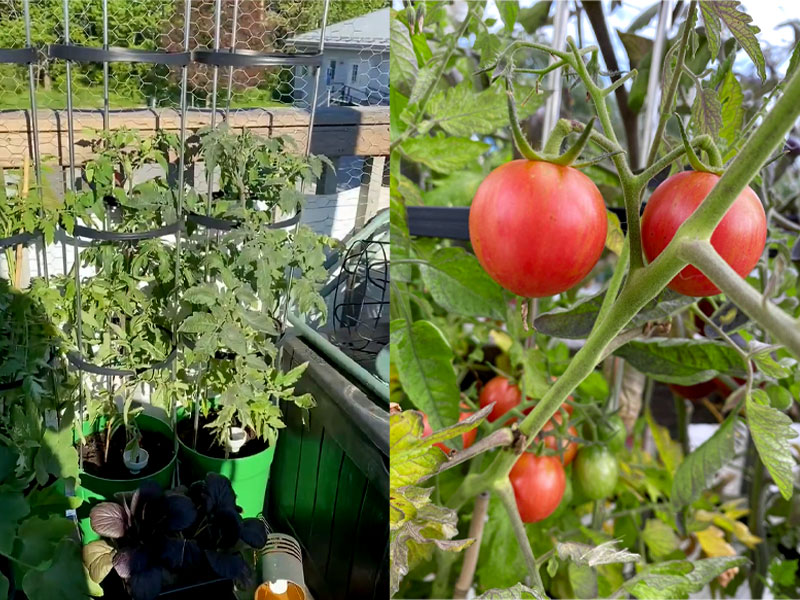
x: 668, y: 449
x: 712, y: 541
x: 501, y: 339
x: 614, y: 236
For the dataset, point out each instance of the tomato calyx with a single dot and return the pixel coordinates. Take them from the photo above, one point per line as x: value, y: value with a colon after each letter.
x: 698, y: 165
x: 553, y: 144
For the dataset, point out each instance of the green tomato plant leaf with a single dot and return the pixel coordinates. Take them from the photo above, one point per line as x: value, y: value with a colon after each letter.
x: 772, y: 431
x: 606, y: 553
x: 576, y: 321
x: 681, y: 361
x: 518, y: 592
x: 424, y: 362
x: 696, y: 473
x: 678, y: 578
x: 459, y: 284
x: 738, y: 23
x: 443, y: 154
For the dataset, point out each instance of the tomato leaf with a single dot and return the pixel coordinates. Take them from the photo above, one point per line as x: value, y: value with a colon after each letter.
x: 669, y: 450
x: 678, y: 578
x: 508, y: 12
x: 402, y: 59
x: 424, y: 362
x: 707, y: 111
x: 501, y: 559
x: 738, y: 23
x: 636, y: 46
x: 771, y: 431
x: 518, y: 592
x: 459, y: 284
x: 659, y: 538
x: 731, y: 97
x: 462, y: 111
x: 698, y: 469
x: 604, y: 554
x: 417, y: 526
x: 682, y: 361
x: 443, y: 154
x: 576, y: 321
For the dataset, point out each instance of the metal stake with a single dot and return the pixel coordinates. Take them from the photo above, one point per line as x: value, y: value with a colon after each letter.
x: 37, y: 159
x: 76, y: 255
x: 553, y: 106
x: 653, y: 97
x: 234, y: 31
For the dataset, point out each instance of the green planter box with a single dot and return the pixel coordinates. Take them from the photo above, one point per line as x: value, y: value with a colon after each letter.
x: 330, y: 482
x: 248, y: 475
x: 93, y: 490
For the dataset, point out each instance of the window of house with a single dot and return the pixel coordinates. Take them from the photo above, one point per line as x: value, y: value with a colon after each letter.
x: 354, y: 74
x: 331, y: 73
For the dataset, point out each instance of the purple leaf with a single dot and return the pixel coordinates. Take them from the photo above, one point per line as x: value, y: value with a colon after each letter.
x: 219, y: 492
x: 230, y: 566
x: 181, y: 512
x: 254, y: 533
x: 145, y: 585
x: 109, y: 520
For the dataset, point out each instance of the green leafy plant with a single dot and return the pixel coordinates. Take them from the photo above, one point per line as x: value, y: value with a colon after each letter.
x: 251, y: 275
x: 456, y: 326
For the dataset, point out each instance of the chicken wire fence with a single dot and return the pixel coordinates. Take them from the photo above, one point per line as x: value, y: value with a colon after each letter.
x: 353, y: 69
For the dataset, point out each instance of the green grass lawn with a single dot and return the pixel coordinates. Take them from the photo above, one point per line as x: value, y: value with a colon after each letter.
x: 92, y: 97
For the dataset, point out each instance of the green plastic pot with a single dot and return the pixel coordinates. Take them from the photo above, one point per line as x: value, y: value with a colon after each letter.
x: 249, y: 475
x: 93, y: 489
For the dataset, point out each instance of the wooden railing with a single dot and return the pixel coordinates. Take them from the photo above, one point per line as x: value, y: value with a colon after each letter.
x: 338, y: 131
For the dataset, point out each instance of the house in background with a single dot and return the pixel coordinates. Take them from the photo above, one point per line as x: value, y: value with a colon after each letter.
x: 355, y: 63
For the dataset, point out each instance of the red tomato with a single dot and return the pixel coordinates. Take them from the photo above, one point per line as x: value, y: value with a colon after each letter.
x: 504, y: 394
x: 539, y: 483
x: 708, y: 310
x: 537, y: 228
x: 739, y: 238
x: 467, y: 439
x: 570, y: 448
x: 696, y: 391
x: 426, y: 431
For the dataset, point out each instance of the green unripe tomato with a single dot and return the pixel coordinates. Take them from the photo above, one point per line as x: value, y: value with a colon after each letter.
x: 779, y: 397
x: 613, y: 433
x: 596, y: 472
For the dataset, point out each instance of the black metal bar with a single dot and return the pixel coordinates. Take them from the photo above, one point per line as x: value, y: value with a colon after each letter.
x: 251, y: 58
x: 25, y: 238
x: 18, y: 56
x: 91, y: 54
x: 218, y: 224
x: 79, y: 363
x: 136, y: 236
x: 450, y: 222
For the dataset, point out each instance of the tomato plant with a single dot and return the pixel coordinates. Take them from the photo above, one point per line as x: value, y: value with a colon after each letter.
x: 552, y: 330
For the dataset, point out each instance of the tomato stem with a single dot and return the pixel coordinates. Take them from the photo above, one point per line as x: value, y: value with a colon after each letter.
x: 783, y: 327
x: 521, y: 143
x: 691, y: 155
x: 575, y: 150
x: 505, y: 492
